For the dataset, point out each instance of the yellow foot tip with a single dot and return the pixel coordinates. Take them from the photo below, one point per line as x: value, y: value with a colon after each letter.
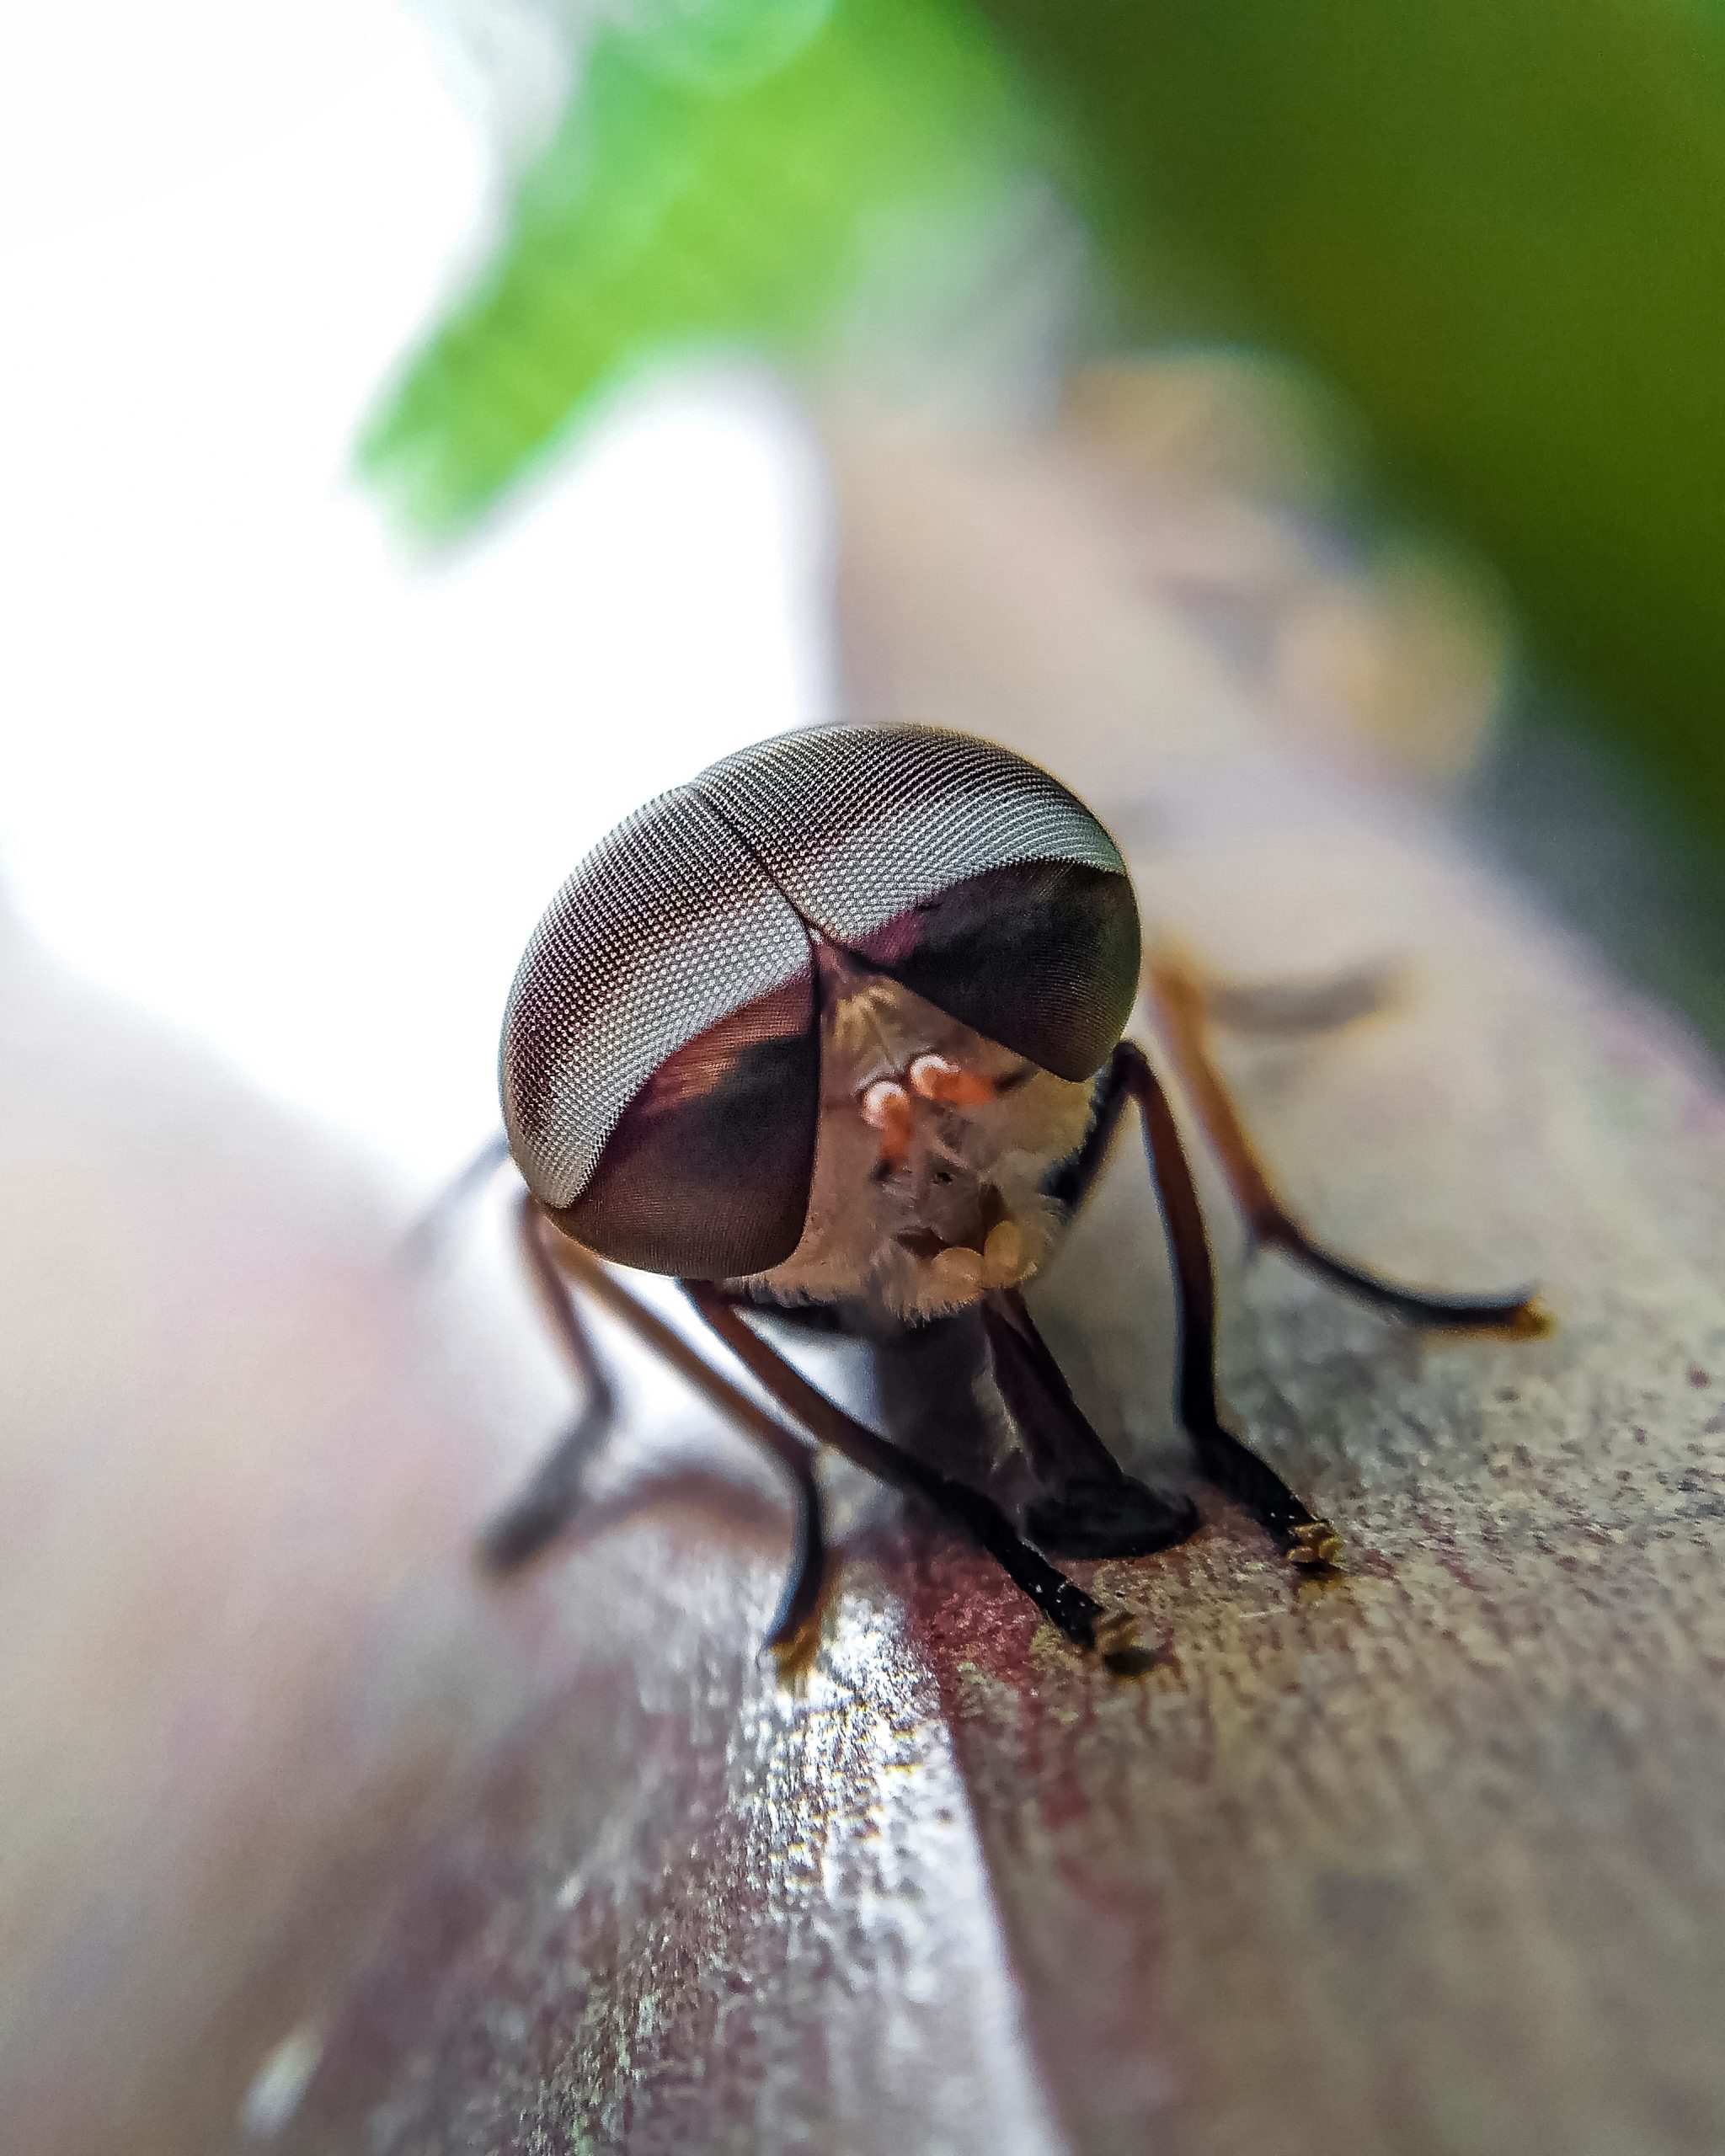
x: 1315, y: 1547
x: 792, y: 1659
x: 1117, y: 1645
x: 1535, y: 1320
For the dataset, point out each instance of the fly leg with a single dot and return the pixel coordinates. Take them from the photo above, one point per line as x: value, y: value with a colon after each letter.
x: 542, y: 1510
x: 1088, y: 1506
x: 1224, y: 1460
x: 1086, y: 1622
x: 1279, y: 1009
x: 553, y: 1495
x: 1185, y: 1007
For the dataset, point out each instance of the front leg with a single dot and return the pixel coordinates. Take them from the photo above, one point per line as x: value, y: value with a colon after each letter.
x: 1224, y: 1458
x: 1087, y: 1505
x: 1086, y: 1623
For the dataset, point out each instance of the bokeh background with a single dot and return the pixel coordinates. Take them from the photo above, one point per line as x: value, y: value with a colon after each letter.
x: 418, y: 422
x: 272, y: 773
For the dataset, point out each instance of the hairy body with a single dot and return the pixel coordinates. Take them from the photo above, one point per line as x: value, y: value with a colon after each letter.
x: 932, y: 1154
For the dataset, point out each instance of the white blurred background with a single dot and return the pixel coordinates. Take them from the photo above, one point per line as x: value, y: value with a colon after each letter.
x: 262, y: 774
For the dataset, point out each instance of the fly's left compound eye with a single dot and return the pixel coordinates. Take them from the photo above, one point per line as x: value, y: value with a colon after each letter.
x: 1042, y: 957
x: 661, y: 1060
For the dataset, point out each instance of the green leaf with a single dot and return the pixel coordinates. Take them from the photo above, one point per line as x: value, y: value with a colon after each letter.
x: 1500, y: 226
x: 716, y: 180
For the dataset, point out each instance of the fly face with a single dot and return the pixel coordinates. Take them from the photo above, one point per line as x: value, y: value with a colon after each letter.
x: 666, y: 1060
x: 931, y: 1154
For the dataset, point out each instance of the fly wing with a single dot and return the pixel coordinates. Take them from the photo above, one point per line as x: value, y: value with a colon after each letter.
x: 963, y: 871
x: 660, y: 1058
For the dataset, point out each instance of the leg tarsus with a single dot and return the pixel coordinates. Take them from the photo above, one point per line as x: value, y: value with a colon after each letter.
x: 551, y: 1500
x: 1520, y: 1313
x: 795, y: 1622
x: 1224, y: 1458
x: 1237, y: 1471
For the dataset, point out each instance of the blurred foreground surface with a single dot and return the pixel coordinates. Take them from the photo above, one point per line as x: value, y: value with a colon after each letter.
x: 315, y: 1843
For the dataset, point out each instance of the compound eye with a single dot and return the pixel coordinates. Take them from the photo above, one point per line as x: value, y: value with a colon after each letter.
x: 1042, y: 957
x: 976, y: 879
x: 660, y: 1063
x: 706, y: 1174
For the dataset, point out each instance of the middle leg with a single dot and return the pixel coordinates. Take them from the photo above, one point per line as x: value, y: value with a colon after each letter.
x: 1184, y: 1005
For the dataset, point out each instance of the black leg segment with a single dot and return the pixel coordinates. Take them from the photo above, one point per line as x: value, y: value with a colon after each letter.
x: 1082, y: 1619
x: 558, y: 1266
x: 1088, y: 1506
x: 1223, y: 1458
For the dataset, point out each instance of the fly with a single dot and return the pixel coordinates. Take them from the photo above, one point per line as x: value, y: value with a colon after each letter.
x: 838, y: 1029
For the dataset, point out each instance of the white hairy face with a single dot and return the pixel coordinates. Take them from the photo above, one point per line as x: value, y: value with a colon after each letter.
x: 932, y: 1147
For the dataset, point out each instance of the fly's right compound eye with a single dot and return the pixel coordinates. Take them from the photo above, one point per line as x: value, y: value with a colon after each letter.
x: 661, y: 1056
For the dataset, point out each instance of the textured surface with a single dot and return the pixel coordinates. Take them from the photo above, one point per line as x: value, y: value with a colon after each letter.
x: 695, y: 1910
x: 1432, y: 1858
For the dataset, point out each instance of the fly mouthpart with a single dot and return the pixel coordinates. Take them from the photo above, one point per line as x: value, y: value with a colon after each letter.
x: 996, y: 1259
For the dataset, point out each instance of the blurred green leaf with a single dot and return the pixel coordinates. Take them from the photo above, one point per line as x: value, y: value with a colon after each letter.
x: 718, y: 178
x: 1500, y: 225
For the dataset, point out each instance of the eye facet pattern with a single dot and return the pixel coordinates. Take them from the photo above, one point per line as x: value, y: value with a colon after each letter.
x: 661, y: 1054
x: 667, y: 928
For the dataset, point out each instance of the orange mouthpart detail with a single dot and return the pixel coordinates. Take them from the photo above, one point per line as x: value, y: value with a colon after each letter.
x: 886, y: 1107
x: 934, y: 1079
